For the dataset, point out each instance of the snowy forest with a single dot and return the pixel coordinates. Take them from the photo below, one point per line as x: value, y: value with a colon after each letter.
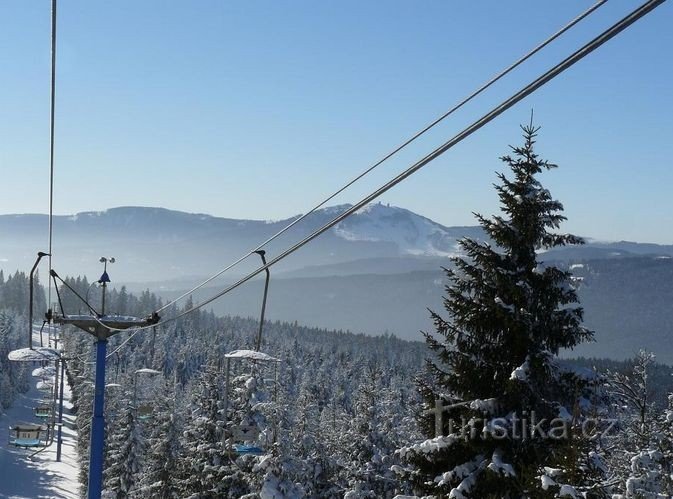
x: 483, y: 408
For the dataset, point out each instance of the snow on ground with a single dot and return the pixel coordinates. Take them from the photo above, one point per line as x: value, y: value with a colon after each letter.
x: 41, y: 476
x: 413, y: 234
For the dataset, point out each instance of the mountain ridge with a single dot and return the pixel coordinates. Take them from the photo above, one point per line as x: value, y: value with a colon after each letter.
x: 376, y: 271
x: 156, y: 243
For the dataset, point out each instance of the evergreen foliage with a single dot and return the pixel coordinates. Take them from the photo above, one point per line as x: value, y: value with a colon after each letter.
x: 641, y: 450
x: 343, y: 418
x: 495, y: 363
x: 160, y: 479
x: 126, y: 448
x: 14, y: 377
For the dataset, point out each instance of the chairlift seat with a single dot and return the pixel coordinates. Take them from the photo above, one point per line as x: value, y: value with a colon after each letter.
x: 44, y: 372
x: 37, y: 354
x: 45, y: 386
x: 251, y: 355
x: 26, y: 442
x: 26, y: 435
x: 92, y: 323
x: 145, y: 411
x: 248, y: 449
x: 245, y: 433
x: 42, y: 411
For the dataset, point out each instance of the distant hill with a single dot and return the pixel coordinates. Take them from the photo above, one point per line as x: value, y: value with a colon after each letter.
x: 156, y: 244
x: 626, y: 301
x: 376, y: 271
x: 160, y: 244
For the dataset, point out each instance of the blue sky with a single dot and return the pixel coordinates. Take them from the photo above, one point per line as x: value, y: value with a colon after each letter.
x: 259, y: 109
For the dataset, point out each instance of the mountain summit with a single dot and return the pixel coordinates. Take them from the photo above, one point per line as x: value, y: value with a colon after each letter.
x: 158, y: 244
x: 375, y: 271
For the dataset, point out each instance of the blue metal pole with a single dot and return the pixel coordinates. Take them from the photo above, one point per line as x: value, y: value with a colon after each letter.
x: 59, y: 440
x: 98, y: 424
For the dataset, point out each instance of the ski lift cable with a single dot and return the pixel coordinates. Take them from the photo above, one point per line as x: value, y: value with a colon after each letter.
x: 549, y: 75
x: 467, y: 99
x: 397, y: 149
x: 51, y: 138
x: 72, y: 290
x: 123, y: 343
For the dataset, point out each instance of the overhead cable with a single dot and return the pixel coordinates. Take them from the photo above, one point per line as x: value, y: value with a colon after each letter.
x: 418, y: 134
x: 121, y: 345
x: 549, y: 75
x: 520, y: 95
x: 51, y: 139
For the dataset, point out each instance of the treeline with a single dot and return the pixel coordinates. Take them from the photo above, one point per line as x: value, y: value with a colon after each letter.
x: 330, y: 425
x: 14, y: 377
x: 15, y: 290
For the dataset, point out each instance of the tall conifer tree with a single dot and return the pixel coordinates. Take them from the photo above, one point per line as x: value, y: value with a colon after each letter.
x: 494, y: 364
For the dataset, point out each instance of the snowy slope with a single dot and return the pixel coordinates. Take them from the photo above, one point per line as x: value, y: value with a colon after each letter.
x: 41, y: 477
x: 411, y: 233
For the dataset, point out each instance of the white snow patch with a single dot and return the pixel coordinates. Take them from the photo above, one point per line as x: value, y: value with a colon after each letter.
x: 567, y: 491
x: 547, y: 482
x: 488, y: 406
x: 250, y: 355
x: 521, y: 372
x: 429, y: 446
x: 37, y: 354
x: 498, y: 301
x: 412, y: 234
x: 41, y: 476
x: 552, y: 472
x: 497, y: 465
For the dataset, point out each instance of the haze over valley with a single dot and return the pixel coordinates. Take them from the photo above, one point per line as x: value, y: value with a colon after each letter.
x: 377, y: 272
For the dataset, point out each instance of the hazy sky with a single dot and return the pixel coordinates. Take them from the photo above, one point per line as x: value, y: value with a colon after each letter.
x: 257, y: 109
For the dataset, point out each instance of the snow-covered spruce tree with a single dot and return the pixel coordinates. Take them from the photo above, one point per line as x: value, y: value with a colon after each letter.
x: 159, y: 479
x: 205, y: 464
x: 125, y: 451
x: 495, y: 364
x: 369, y: 440
x: 283, y: 468
x: 14, y: 377
x: 641, y: 456
x: 318, y: 466
x: 77, y: 348
x: 651, y: 474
